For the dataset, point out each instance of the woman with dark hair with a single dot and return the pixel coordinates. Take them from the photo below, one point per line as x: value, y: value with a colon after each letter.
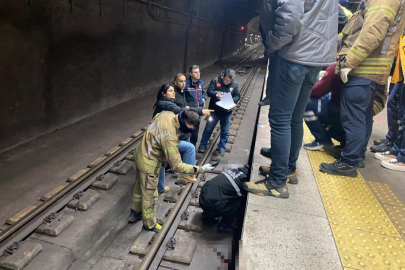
x: 166, y: 102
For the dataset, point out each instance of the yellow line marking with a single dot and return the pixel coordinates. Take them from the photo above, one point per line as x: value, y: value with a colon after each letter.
x: 365, y: 236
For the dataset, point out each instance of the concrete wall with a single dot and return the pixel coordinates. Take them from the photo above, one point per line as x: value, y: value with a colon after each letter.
x: 61, y: 63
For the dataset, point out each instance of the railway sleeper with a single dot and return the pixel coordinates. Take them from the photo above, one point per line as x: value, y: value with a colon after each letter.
x: 173, y: 194
x: 19, y: 255
x: 97, y: 161
x: 180, y: 249
x: 162, y: 212
x: 106, y: 181
x: 84, y: 201
x: 76, y: 176
x: 50, y: 193
x: 113, y: 151
x: 55, y: 224
x: 143, y: 242
x: 192, y: 221
x: 122, y: 167
x: 20, y: 214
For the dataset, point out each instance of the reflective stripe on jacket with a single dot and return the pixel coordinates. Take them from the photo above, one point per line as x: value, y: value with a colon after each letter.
x: 369, y: 39
x: 160, y: 144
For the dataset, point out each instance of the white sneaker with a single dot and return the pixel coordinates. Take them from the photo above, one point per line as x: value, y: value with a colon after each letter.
x: 393, y: 164
x: 384, y: 156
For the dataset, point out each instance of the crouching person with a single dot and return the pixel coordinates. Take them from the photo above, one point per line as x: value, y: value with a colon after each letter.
x: 224, y: 196
x: 160, y: 144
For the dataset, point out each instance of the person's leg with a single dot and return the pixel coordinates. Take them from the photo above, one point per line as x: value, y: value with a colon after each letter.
x: 313, y: 120
x: 297, y: 131
x: 161, y: 183
x: 149, y: 184
x: 229, y: 213
x: 285, y: 90
x: 225, y: 122
x: 136, y: 204
x: 336, y: 130
x: 355, y: 108
x: 187, y: 152
x: 369, y: 125
x: 392, y: 113
x: 209, y: 128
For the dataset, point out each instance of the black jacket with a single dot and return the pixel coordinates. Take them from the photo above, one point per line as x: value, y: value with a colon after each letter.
x: 216, y: 86
x: 219, y: 190
x: 166, y: 104
x: 181, y: 100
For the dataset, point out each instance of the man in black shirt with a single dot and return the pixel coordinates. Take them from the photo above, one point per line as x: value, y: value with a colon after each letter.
x: 224, y: 196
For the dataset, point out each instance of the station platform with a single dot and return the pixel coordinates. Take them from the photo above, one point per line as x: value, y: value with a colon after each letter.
x: 328, y: 222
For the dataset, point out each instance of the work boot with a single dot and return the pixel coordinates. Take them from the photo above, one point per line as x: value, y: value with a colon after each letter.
x: 381, y: 141
x: 384, y: 156
x: 155, y: 229
x: 165, y: 190
x: 221, y: 151
x: 266, y: 187
x: 292, y: 176
x: 264, y: 102
x: 188, y: 178
x: 381, y: 147
x: 361, y: 163
x: 134, y: 216
x: 339, y: 147
x: 339, y: 167
x: 317, y: 145
x: 266, y: 152
x: 393, y: 164
x: 201, y: 150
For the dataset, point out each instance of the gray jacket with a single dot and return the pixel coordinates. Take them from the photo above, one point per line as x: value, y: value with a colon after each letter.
x: 301, y: 31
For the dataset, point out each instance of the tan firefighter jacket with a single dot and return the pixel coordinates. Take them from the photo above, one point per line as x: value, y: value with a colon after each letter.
x: 370, y: 37
x: 160, y: 144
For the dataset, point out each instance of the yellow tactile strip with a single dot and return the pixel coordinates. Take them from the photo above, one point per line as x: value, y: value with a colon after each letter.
x: 365, y: 236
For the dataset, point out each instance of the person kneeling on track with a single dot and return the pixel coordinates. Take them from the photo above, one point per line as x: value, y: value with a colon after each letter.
x: 224, y: 196
x: 224, y: 83
x: 322, y: 116
x: 160, y: 144
x: 166, y: 102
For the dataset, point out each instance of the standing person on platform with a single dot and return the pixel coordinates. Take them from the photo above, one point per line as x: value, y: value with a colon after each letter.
x: 160, y: 144
x: 195, y: 95
x: 302, y: 38
x: 365, y: 61
x: 224, y: 83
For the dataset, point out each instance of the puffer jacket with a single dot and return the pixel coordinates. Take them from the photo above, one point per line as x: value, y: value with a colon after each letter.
x: 160, y: 144
x: 370, y: 37
x: 167, y: 104
x: 301, y: 31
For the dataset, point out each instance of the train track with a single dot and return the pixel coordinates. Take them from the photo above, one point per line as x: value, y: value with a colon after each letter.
x: 31, y: 221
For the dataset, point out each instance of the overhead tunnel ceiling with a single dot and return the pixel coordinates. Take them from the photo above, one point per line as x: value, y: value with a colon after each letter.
x: 242, y: 10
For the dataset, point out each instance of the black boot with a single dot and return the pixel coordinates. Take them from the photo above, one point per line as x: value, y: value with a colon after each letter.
x: 266, y: 152
x: 339, y: 167
x: 134, y: 216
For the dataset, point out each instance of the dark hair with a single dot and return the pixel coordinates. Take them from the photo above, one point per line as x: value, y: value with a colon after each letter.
x: 229, y: 72
x: 176, y: 77
x: 193, y: 67
x: 163, y: 90
x: 191, y: 117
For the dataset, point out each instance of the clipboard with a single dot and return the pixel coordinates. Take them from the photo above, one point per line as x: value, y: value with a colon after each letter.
x: 226, y: 102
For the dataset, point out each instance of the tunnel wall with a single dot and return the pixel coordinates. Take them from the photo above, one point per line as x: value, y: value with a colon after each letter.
x: 60, y: 63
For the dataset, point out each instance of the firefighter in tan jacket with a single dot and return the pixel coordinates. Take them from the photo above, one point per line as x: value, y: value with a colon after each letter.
x: 368, y: 48
x: 160, y: 144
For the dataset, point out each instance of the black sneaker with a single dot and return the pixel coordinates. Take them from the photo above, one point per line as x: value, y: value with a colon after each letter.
x: 264, y: 102
x: 381, y: 147
x: 292, y: 177
x: 380, y: 141
x: 266, y: 152
x: 134, y: 216
x: 339, y: 167
x: 267, y: 188
x: 361, y: 163
x: 317, y: 145
x: 155, y: 229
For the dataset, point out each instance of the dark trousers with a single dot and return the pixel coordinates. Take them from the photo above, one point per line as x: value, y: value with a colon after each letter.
x: 322, y: 117
x: 399, y: 145
x: 393, y: 112
x: 290, y: 88
x: 229, y: 210
x: 194, y: 136
x: 356, y: 115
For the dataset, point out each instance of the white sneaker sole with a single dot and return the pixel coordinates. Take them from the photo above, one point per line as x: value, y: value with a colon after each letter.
x: 314, y: 148
x: 379, y: 156
x: 391, y: 166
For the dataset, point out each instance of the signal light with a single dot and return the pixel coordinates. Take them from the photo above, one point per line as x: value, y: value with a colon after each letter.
x: 242, y: 28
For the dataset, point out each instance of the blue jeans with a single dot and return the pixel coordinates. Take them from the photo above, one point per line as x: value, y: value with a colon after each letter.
x: 356, y: 114
x: 393, y: 111
x: 399, y: 145
x: 187, y: 152
x: 225, y: 121
x: 321, y: 113
x: 290, y: 88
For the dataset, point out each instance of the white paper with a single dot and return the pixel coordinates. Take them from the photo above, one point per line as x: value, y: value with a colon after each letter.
x: 226, y: 101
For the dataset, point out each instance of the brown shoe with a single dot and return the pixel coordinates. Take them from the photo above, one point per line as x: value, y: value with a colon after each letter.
x: 292, y: 177
x: 188, y: 178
